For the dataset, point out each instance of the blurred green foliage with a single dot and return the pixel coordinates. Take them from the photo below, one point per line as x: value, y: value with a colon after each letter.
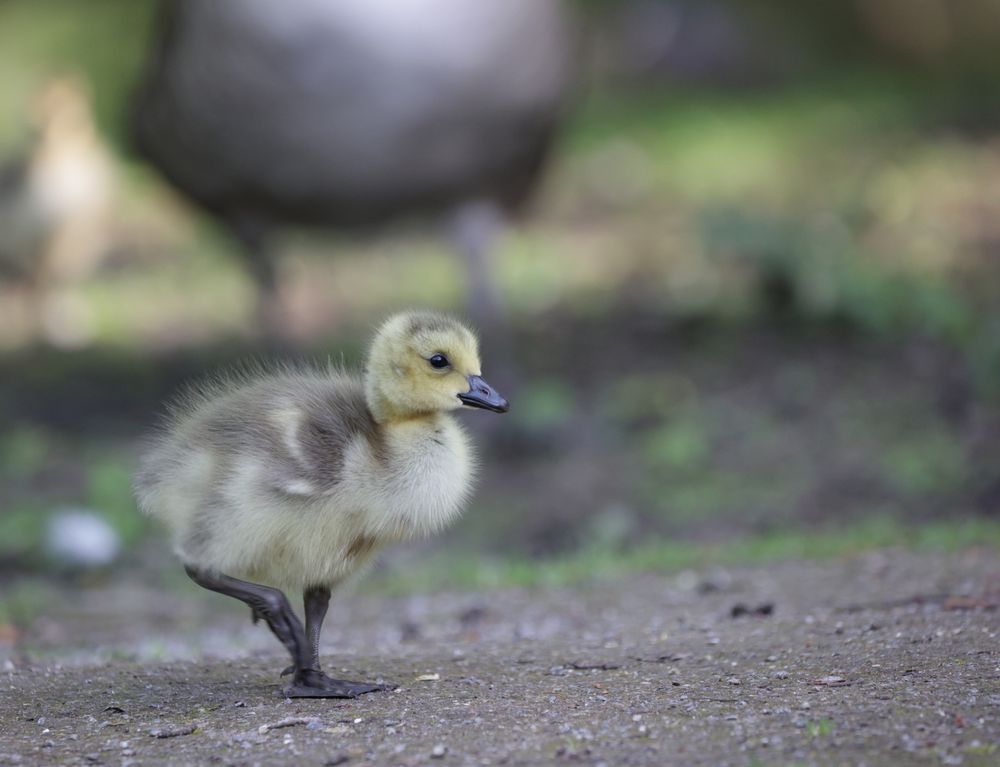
x: 101, y: 40
x: 109, y: 489
x: 545, y: 404
x: 42, y: 472
x: 825, y: 208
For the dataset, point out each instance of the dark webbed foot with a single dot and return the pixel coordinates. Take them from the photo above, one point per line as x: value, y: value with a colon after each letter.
x: 310, y: 683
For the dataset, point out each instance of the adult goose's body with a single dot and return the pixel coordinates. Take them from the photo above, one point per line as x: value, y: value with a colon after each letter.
x: 354, y: 113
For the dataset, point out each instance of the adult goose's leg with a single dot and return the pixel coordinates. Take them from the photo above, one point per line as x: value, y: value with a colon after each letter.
x: 309, y: 680
x: 265, y: 603
x: 476, y: 227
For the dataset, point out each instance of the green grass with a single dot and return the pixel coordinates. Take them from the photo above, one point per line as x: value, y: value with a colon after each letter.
x: 446, y: 571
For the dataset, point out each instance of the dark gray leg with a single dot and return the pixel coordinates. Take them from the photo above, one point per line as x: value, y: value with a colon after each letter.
x: 255, y: 237
x: 272, y: 606
x: 476, y: 226
x: 316, y: 600
x: 266, y: 604
x: 309, y: 681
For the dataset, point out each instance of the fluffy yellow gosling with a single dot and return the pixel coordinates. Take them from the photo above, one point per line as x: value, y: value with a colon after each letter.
x: 294, y: 479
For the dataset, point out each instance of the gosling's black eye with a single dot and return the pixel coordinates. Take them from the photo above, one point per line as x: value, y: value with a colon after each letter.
x: 439, y: 361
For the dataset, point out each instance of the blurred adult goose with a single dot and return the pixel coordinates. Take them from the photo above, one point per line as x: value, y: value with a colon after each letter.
x: 294, y: 479
x: 355, y: 113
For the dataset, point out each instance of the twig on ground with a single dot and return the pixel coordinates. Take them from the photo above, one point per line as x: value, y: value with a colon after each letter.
x: 173, y: 732
x: 291, y: 721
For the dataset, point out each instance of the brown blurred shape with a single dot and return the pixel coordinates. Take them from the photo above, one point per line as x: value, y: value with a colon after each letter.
x: 56, y: 199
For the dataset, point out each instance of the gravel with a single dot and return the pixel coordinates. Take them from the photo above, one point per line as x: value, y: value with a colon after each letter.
x: 860, y: 661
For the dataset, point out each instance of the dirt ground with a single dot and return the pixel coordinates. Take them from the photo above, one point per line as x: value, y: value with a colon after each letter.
x: 885, y: 658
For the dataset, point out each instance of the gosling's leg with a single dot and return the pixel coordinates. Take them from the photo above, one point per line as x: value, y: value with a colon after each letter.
x: 316, y: 601
x: 265, y: 603
x: 309, y: 680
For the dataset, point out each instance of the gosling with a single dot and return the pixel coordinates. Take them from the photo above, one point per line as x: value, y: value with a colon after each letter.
x: 295, y: 479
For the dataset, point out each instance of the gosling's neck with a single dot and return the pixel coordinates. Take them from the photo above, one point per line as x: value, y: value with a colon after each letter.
x: 386, y: 413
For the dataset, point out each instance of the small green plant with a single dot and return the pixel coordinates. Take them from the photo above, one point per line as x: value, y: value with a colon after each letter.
x: 819, y: 729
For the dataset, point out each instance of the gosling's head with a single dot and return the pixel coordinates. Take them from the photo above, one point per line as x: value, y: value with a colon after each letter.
x: 422, y: 363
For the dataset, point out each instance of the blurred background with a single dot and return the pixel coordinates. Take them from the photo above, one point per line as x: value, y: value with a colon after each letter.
x: 737, y: 263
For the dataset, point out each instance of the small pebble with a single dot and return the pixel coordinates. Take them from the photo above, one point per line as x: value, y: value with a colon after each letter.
x: 438, y: 751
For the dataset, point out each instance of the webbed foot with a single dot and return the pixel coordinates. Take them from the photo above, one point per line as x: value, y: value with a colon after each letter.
x: 309, y: 683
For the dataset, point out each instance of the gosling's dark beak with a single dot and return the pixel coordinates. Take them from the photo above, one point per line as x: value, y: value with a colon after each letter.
x: 481, y: 394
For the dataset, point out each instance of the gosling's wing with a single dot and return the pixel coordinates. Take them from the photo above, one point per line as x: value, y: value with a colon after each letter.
x: 316, y: 426
x: 286, y: 431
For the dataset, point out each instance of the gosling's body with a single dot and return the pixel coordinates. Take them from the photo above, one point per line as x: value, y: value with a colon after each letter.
x: 294, y: 479
x: 287, y: 480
